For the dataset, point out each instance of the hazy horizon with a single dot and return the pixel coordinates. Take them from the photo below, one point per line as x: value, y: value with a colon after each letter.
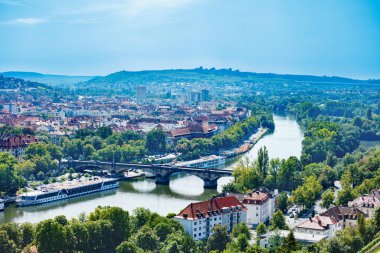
x: 331, y: 38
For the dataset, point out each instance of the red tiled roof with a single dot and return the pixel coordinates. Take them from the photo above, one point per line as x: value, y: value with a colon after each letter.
x: 317, y: 223
x: 256, y: 197
x: 342, y: 212
x: 371, y: 200
x: 180, y: 131
x: 209, y: 207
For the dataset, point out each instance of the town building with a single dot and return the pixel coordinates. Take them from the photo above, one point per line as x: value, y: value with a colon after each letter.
x: 15, y: 144
x: 205, y: 95
x: 367, y: 203
x: 260, y: 206
x: 346, y: 216
x: 193, y: 130
x: 141, y: 92
x: 301, y: 237
x: 319, y: 225
x: 198, y: 219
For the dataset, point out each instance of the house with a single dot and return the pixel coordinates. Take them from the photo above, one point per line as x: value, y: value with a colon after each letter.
x: 193, y: 130
x: 260, y: 205
x: 15, y: 144
x: 301, y: 237
x: 319, y: 225
x: 367, y: 203
x: 198, y: 219
x: 346, y: 216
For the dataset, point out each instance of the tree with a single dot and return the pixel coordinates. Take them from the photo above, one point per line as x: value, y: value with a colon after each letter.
x: 219, y: 239
x: 287, y: 172
x: 369, y: 114
x: 362, y: 226
x: 307, y: 193
x: 10, y: 182
x: 88, y: 151
x: 274, y: 241
x: 156, y: 141
x: 27, y: 233
x: 140, y: 217
x: 242, y: 242
x: 172, y: 247
x: 230, y: 188
x: 278, y: 221
x: 13, y: 231
x: 80, y: 235
x: 50, y: 237
x: 282, y: 201
x: 327, y: 198
x: 162, y: 230
x: 377, y: 218
x: 61, y: 219
x: 182, y: 239
x: 345, y: 195
x: 128, y: 247
x: 241, y: 228
x: 289, y: 244
x: 146, y: 239
x: 104, y: 132
x: 6, y: 245
x: 263, y: 160
x: 119, y: 220
x: 261, y: 229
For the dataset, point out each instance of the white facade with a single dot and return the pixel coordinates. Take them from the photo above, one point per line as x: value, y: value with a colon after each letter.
x: 260, y: 207
x: 198, y: 219
x: 319, y: 225
x: 16, y: 152
x: 211, y: 161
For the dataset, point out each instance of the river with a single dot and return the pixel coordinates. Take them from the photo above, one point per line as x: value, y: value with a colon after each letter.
x: 285, y: 141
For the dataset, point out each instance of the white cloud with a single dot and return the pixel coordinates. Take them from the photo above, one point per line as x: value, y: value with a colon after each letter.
x: 25, y: 21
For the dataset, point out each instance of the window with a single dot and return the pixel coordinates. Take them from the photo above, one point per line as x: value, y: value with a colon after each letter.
x: 200, y: 228
x: 195, y: 229
x: 195, y: 235
x: 257, y: 214
x: 220, y: 218
x: 200, y: 222
x: 200, y: 234
x: 195, y: 223
x: 215, y: 219
x: 257, y: 208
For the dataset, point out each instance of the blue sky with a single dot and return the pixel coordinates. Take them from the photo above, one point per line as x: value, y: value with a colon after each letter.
x: 97, y: 37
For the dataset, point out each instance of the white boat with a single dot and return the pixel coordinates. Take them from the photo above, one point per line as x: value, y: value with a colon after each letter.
x: 207, y: 162
x: 1, y: 205
x: 65, y: 190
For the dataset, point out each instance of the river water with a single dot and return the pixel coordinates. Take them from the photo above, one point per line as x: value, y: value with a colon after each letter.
x: 183, y: 189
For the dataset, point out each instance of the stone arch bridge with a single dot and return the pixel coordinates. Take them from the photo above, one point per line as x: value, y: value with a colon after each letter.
x: 161, y: 173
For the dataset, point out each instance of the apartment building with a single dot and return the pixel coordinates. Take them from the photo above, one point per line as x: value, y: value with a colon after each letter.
x: 198, y: 219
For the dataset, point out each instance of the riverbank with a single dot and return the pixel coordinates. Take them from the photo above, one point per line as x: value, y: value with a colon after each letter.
x: 247, y: 145
x: 284, y: 141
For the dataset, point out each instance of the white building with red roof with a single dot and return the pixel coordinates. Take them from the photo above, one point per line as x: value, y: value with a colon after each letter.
x: 260, y: 206
x: 198, y: 219
x: 367, y: 203
x: 319, y: 225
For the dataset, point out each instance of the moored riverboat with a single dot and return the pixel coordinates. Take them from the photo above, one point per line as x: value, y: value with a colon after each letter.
x: 65, y: 190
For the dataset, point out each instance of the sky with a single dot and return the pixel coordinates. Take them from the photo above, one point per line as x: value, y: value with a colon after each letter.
x: 97, y: 37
